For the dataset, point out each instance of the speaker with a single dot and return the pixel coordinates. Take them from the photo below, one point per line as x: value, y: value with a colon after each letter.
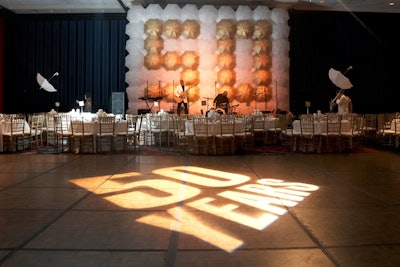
x: 118, y: 103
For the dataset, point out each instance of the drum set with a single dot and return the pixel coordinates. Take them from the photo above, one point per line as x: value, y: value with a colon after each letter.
x: 223, y: 108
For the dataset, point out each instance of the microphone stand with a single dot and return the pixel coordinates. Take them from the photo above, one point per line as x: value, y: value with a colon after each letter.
x: 276, y: 94
x: 159, y: 95
x: 173, y: 96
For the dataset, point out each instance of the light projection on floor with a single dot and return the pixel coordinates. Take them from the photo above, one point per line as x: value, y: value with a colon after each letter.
x: 189, y: 194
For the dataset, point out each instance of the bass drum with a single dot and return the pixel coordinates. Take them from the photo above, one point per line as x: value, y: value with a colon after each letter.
x: 220, y: 111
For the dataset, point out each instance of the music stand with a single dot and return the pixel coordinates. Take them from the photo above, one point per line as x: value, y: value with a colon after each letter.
x: 57, y: 104
x: 207, y: 103
x: 81, y: 104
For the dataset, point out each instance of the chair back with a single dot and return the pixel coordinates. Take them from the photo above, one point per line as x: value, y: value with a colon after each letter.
x: 134, y: 123
x: 307, y: 125
x: 384, y: 121
x: 17, y: 126
x: 333, y: 123
x: 155, y: 123
x: 227, y: 125
x: 356, y: 124
x: 201, y: 126
x: 396, y: 124
x: 258, y: 122
x: 37, y: 127
x: 77, y: 127
x: 62, y: 123
x: 107, y: 125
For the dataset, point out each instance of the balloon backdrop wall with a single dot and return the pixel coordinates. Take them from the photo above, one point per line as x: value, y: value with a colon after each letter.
x: 242, y: 51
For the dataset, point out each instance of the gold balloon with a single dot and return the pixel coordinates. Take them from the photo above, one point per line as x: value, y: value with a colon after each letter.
x: 262, y: 61
x: 191, y: 29
x: 152, y: 45
x: 190, y: 60
x: 153, y: 28
x: 244, y: 92
x: 226, y: 61
x: 194, y: 93
x: 172, y: 60
x: 226, y: 77
x: 226, y: 46
x: 168, y: 92
x: 261, y: 77
x: 153, y: 61
x: 263, y: 93
x: 262, y: 29
x: 226, y: 29
x: 172, y: 29
x: 191, y: 77
x: 244, y: 29
x: 261, y: 46
x: 154, y: 90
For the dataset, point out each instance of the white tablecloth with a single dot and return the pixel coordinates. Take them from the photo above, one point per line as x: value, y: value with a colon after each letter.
x: 5, y: 127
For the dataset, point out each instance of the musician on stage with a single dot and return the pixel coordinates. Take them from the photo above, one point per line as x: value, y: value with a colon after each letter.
x: 222, y: 101
x: 181, y: 97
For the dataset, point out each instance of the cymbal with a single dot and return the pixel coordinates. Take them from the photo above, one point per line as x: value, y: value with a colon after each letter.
x: 208, y: 97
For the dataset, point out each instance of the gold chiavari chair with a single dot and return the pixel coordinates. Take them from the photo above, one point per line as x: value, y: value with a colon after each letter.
x: 258, y: 128
x: 204, y: 138
x: 134, y: 130
x: 331, y: 136
x: 307, y: 134
x: 225, y: 135
x: 15, y: 134
x: 62, y: 133
x: 81, y: 136
x: 182, y: 140
x: 36, y: 125
x: 106, y: 134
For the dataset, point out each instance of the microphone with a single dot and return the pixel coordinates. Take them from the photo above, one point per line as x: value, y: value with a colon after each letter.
x: 56, y: 74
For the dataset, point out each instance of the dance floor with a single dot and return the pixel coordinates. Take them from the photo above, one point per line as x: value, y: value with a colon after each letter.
x: 158, y: 208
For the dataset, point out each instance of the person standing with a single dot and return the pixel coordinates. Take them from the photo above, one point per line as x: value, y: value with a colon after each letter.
x: 222, y: 101
x: 344, y: 104
x: 181, y: 97
x: 88, y: 102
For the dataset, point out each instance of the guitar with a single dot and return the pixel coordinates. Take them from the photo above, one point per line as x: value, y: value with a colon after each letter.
x: 182, y: 96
